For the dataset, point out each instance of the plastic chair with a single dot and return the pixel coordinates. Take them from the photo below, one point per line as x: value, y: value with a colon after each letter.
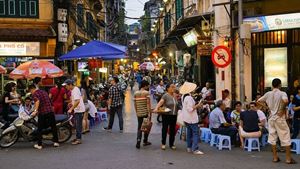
x: 224, y: 142
x: 252, y: 144
x: 264, y: 140
x: 295, y: 146
x: 205, y: 134
x: 214, y: 139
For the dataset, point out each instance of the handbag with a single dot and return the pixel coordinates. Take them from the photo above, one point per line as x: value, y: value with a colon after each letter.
x: 147, y: 124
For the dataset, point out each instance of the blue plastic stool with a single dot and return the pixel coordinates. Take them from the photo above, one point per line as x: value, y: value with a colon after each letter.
x: 224, y: 142
x: 264, y: 140
x: 252, y: 144
x: 214, y: 139
x: 205, y: 134
x: 295, y: 146
x: 103, y: 116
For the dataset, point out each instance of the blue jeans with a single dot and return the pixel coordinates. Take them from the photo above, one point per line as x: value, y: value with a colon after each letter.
x: 78, y: 124
x: 296, y: 127
x: 192, y: 136
x: 116, y: 110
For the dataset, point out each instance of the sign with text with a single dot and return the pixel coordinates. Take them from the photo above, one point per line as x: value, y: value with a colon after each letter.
x: 273, y: 22
x: 19, y: 48
x: 276, y: 65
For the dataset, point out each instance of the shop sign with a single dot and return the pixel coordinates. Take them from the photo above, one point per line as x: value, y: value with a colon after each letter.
x: 19, y: 48
x: 221, y: 56
x: 204, y: 46
x: 275, y: 64
x: 273, y: 22
x: 190, y: 38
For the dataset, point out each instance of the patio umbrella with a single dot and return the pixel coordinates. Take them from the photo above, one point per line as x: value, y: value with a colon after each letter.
x: 147, y: 66
x: 36, y: 68
x: 98, y: 49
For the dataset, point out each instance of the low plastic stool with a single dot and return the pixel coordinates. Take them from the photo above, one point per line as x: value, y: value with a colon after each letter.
x: 205, y: 134
x: 214, y: 139
x: 252, y: 144
x: 103, y: 116
x: 264, y: 140
x: 224, y: 142
x: 295, y: 146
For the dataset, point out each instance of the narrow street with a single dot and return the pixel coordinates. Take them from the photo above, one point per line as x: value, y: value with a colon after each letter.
x: 103, y: 150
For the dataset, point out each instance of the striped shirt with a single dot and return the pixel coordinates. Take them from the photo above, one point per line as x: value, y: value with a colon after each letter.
x: 141, y: 99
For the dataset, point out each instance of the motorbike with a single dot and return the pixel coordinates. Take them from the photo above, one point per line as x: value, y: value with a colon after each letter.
x: 28, y: 131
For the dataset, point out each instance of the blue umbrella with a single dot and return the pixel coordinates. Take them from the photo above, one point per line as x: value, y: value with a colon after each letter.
x: 98, y: 49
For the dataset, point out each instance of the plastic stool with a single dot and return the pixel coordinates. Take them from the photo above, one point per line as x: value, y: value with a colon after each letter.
x: 224, y: 142
x: 252, y: 144
x: 264, y: 140
x: 103, y: 115
x: 205, y: 134
x: 214, y: 139
x: 295, y: 146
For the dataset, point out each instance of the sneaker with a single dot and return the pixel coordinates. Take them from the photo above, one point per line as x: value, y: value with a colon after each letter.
x: 189, y: 150
x: 147, y: 143
x: 198, y: 152
x: 107, y: 129
x: 163, y: 147
x: 37, y: 147
x: 56, y: 144
x: 75, y: 142
x: 173, y: 147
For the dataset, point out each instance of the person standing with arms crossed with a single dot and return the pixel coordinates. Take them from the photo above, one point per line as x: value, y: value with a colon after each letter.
x: 277, y: 101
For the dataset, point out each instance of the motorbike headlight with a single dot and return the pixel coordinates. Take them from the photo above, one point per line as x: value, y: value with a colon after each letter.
x: 18, y: 122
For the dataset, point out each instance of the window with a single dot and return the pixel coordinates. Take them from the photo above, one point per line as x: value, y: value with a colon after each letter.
x: 19, y: 8
x: 80, y: 11
x: 11, y: 7
x: 2, y: 7
x: 22, y: 8
x: 32, y: 7
x: 179, y: 9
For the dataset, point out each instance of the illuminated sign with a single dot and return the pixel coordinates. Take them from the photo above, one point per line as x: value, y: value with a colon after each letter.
x: 275, y: 65
x: 273, y: 22
x: 191, y: 38
x: 83, y: 66
x: 19, y: 48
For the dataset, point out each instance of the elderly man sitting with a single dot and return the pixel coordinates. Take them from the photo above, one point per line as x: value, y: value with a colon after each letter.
x: 249, y: 124
x: 218, y: 124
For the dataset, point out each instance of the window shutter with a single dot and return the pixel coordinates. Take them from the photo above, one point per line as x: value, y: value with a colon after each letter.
x: 2, y: 7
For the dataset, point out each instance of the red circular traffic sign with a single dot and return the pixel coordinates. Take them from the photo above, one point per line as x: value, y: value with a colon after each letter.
x: 221, y: 56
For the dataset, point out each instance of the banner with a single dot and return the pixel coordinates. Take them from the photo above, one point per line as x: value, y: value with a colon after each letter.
x: 19, y: 48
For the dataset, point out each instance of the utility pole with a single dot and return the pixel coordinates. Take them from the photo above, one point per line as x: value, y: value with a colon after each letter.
x: 241, y: 53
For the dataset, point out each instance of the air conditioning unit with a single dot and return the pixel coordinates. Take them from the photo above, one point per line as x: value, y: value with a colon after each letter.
x: 62, y: 14
x: 62, y: 32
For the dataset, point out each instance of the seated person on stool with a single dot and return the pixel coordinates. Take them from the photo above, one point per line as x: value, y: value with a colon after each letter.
x: 249, y: 124
x: 263, y: 124
x: 218, y: 124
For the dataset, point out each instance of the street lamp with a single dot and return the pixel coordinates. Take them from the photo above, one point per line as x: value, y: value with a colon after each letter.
x: 138, y: 49
x: 170, y: 54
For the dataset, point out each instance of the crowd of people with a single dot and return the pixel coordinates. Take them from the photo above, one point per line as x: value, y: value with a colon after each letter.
x: 186, y: 104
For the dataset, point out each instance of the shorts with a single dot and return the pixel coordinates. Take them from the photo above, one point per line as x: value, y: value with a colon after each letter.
x: 278, y: 128
x: 245, y: 134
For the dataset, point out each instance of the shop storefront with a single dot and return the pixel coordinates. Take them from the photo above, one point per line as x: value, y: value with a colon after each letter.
x: 275, y: 49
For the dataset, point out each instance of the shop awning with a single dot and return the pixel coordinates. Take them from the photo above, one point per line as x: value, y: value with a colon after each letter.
x: 96, y: 49
x: 30, y: 32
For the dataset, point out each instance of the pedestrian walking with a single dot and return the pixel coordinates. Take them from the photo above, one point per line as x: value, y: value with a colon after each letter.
x: 277, y: 101
x: 85, y: 97
x: 296, y: 115
x: 78, y: 108
x: 169, y: 118
x: 190, y: 117
x: 44, y: 110
x: 143, y: 109
x: 114, y: 104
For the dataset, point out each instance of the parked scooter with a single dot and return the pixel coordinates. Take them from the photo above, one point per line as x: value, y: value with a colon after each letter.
x: 28, y: 130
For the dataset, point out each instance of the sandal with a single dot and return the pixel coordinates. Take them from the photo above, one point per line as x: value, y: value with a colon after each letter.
x: 276, y: 161
x: 291, y: 162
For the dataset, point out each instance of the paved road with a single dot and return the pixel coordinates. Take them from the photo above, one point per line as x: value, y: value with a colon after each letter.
x: 103, y: 150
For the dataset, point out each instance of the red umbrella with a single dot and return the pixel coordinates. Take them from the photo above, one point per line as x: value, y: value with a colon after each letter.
x: 36, y: 68
x: 2, y: 70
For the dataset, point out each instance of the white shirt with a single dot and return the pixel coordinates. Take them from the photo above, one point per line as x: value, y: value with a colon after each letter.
x: 160, y: 89
x: 189, y: 113
x: 216, y: 118
x: 262, y: 116
x: 205, y: 92
x: 274, y: 100
x: 92, y: 109
x: 76, y: 95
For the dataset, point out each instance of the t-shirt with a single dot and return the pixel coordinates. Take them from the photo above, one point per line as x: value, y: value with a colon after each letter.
x: 76, y: 95
x: 45, y: 105
x: 296, y: 103
x: 262, y: 116
x: 92, y: 109
x: 141, y: 103
x: 235, y: 116
x: 216, y: 118
x: 274, y: 100
x: 171, y: 103
x: 57, y: 95
x: 250, y: 121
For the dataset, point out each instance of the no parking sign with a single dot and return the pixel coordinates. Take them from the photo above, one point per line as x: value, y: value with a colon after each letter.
x: 221, y: 56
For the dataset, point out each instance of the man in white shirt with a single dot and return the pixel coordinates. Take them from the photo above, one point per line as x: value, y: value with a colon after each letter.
x: 278, y: 127
x: 205, y: 92
x: 78, y: 108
